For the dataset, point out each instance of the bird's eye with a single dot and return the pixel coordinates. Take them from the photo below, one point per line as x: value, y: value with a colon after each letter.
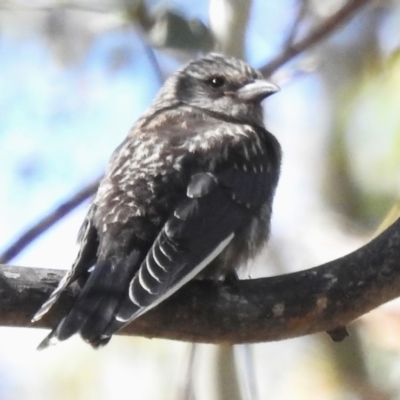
x: 216, y: 82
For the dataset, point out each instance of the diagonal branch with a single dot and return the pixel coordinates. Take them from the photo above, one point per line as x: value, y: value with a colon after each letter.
x: 316, y: 35
x: 49, y: 220
x: 324, y: 298
x: 294, y: 30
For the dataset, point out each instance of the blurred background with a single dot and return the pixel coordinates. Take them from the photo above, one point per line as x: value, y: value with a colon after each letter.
x: 74, y: 77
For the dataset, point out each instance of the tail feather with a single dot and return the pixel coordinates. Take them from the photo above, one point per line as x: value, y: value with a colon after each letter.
x: 85, y: 259
x: 48, y: 304
x: 104, y: 314
x: 97, y: 303
x: 49, y: 340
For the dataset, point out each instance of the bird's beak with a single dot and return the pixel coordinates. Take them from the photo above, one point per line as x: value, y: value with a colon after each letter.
x: 256, y: 90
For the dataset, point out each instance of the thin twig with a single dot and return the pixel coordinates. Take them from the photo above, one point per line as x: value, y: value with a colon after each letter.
x: 30, y: 6
x: 247, y: 371
x: 301, y: 12
x: 151, y: 56
x: 187, y: 389
x: 49, y: 220
x: 315, y: 36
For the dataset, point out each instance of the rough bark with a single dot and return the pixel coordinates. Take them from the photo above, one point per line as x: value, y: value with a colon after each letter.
x: 324, y: 298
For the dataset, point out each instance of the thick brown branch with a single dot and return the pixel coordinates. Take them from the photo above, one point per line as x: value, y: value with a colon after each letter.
x: 323, y: 298
x: 316, y: 35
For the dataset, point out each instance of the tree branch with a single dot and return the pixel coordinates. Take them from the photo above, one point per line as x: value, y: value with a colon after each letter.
x: 315, y: 36
x: 54, y: 216
x: 324, y: 298
x: 294, y: 30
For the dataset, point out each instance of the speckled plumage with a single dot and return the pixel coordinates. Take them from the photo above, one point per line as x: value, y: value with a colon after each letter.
x: 188, y: 193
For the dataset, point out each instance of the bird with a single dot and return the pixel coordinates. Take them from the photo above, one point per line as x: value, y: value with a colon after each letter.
x: 187, y: 195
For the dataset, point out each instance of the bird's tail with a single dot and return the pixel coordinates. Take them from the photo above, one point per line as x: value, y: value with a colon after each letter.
x: 97, y: 302
x: 84, y: 260
x: 65, y: 281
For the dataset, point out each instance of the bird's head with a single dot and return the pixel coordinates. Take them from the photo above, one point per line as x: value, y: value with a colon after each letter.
x: 222, y: 85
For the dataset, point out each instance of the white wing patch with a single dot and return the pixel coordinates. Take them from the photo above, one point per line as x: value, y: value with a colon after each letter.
x: 179, y: 284
x: 143, y: 283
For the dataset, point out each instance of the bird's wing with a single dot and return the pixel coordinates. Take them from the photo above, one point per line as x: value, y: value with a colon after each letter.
x: 252, y: 177
x: 201, y: 226
x: 198, y: 231
x: 86, y: 258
